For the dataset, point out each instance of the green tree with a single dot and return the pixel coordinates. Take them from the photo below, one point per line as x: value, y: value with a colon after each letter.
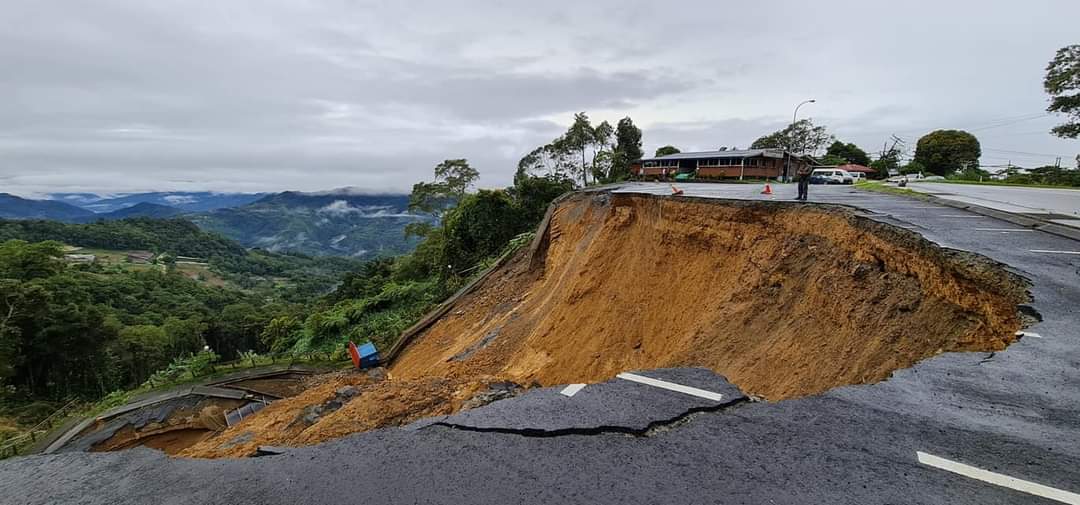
x: 943, y: 152
x: 1062, y: 83
x: 533, y: 194
x: 142, y: 350
x: 480, y: 226
x: 281, y: 333
x: 579, y: 138
x: 800, y: 137
x: 24, y: 261
x: 457, y: 175
x: 849, y: 152
x: 627, y: 149
x: 667, y: 150
x: 184, y: 336
x: 452, y: 180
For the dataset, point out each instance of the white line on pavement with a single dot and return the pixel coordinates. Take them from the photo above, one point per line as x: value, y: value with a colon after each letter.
x: 961, y: 216
x: 999, y: 479
x: 1004, y: 230
x: 1047, y: 251
x: 1028, y: 334
x: 572, y: 389
x: 671, y: 386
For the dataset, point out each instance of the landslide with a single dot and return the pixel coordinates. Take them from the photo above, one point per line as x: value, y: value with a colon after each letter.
x: 785, y: 300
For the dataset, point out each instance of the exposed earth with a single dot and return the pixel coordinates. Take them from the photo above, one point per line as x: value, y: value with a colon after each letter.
x: 621, y: 282
x: 927, y: 363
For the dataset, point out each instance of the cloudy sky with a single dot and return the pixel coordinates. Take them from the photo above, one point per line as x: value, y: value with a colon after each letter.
x: 126, y: 95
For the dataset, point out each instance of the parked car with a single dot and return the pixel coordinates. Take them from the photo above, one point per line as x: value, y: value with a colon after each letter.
x: 834, y: 176
x: 858, y: 176
x: 818, y: 179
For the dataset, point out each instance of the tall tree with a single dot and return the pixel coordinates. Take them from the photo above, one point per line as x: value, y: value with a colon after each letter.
x: 627, y: 149
x: 457, y: 175
x: 943, y: 152
x: 452, y: 180
x: 1062, y: 83
x: 799, y: 137
x: 579, y: 138
x: 849, y: 152
x: 667, y: 150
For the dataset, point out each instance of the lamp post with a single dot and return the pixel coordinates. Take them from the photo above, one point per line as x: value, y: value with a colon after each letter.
x: 787, y: 164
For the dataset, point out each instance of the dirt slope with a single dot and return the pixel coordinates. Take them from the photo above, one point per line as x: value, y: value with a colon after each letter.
x: 785, y: 300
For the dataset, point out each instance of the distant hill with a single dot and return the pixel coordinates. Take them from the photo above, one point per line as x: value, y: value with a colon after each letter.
x: 145, y: 209
x: 14, y: 207
x: 187, y: 201
x: 342, y: 222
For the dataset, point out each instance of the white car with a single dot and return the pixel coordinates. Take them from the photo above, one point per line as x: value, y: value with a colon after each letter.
x: 833, y: 176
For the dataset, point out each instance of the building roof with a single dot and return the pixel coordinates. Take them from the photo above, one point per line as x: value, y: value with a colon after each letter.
x: 854, y: 167
x: 741, y: 153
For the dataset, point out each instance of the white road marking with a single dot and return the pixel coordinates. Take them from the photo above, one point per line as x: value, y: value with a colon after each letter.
x: 1028, y: 334
x: 1003, y: 230
x: 671, y: 386
x: 572, y: 389
x: 998, y: 479
x: 960, y: 216
x: 1048, y: 251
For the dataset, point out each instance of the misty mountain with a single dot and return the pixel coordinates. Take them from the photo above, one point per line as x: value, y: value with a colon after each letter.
x: 187, y: 201
x: 14, y: 207
x: 144, y: 209
x: 341, y: 222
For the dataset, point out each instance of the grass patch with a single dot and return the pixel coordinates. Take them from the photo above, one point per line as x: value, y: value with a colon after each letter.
x: 1001, y: 183
x: 881, y: 187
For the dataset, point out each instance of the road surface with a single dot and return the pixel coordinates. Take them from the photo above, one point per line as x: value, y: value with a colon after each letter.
x: 1058, y: 205
x: 959, y: 428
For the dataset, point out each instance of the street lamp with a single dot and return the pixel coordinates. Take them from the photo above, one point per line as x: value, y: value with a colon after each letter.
x: 787, y: 165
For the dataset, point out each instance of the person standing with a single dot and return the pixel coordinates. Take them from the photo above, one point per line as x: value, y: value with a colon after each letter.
x: 804, y: 181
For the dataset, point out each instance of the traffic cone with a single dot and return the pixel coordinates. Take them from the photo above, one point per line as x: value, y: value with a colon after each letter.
x: 675, y: 191
x: 767, y: 190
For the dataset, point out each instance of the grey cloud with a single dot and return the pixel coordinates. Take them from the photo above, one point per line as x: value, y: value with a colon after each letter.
x: 121, y: 95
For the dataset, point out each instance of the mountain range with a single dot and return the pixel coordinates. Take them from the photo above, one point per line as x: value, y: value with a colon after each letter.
x: 342, y: 222
x: 188, y: 201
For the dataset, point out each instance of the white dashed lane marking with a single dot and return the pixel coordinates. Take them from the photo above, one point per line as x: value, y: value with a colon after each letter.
x: 1003, y: 230
x: 671, y: 386
x: 1048, y: 251
x: 998, y: 479
x: 572, y: 389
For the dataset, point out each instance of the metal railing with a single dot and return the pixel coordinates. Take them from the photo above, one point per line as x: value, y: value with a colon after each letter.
x: 12, y: 446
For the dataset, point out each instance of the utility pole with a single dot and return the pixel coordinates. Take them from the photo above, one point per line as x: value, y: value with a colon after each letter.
x: 787, y: 160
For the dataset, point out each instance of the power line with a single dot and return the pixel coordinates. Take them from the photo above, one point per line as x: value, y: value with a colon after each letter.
x: 1006, y: 151
x: 1011, y: 122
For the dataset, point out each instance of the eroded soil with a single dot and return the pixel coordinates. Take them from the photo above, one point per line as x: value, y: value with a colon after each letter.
x: 785, y: 300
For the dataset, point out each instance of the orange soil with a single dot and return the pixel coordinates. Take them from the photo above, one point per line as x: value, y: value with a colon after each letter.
x: 378, y: 404
x: 784, y: 300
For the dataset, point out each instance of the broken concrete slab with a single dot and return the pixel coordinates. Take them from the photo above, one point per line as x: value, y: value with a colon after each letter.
x: 614, y: 406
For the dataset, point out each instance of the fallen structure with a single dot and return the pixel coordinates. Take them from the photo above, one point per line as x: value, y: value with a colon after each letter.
x: 173, y: 420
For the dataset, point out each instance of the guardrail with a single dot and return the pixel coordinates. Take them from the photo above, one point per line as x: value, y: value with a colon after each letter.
x: 12, y: 446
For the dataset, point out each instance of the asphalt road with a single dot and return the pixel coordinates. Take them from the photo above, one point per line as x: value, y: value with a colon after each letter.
x: 1016, y: 415
x: 1029, y: 201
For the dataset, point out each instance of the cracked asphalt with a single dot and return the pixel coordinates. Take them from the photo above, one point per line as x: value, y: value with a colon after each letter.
x: 1016, y: 414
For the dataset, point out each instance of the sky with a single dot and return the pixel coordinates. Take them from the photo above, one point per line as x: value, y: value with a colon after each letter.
x: 114, y: 96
